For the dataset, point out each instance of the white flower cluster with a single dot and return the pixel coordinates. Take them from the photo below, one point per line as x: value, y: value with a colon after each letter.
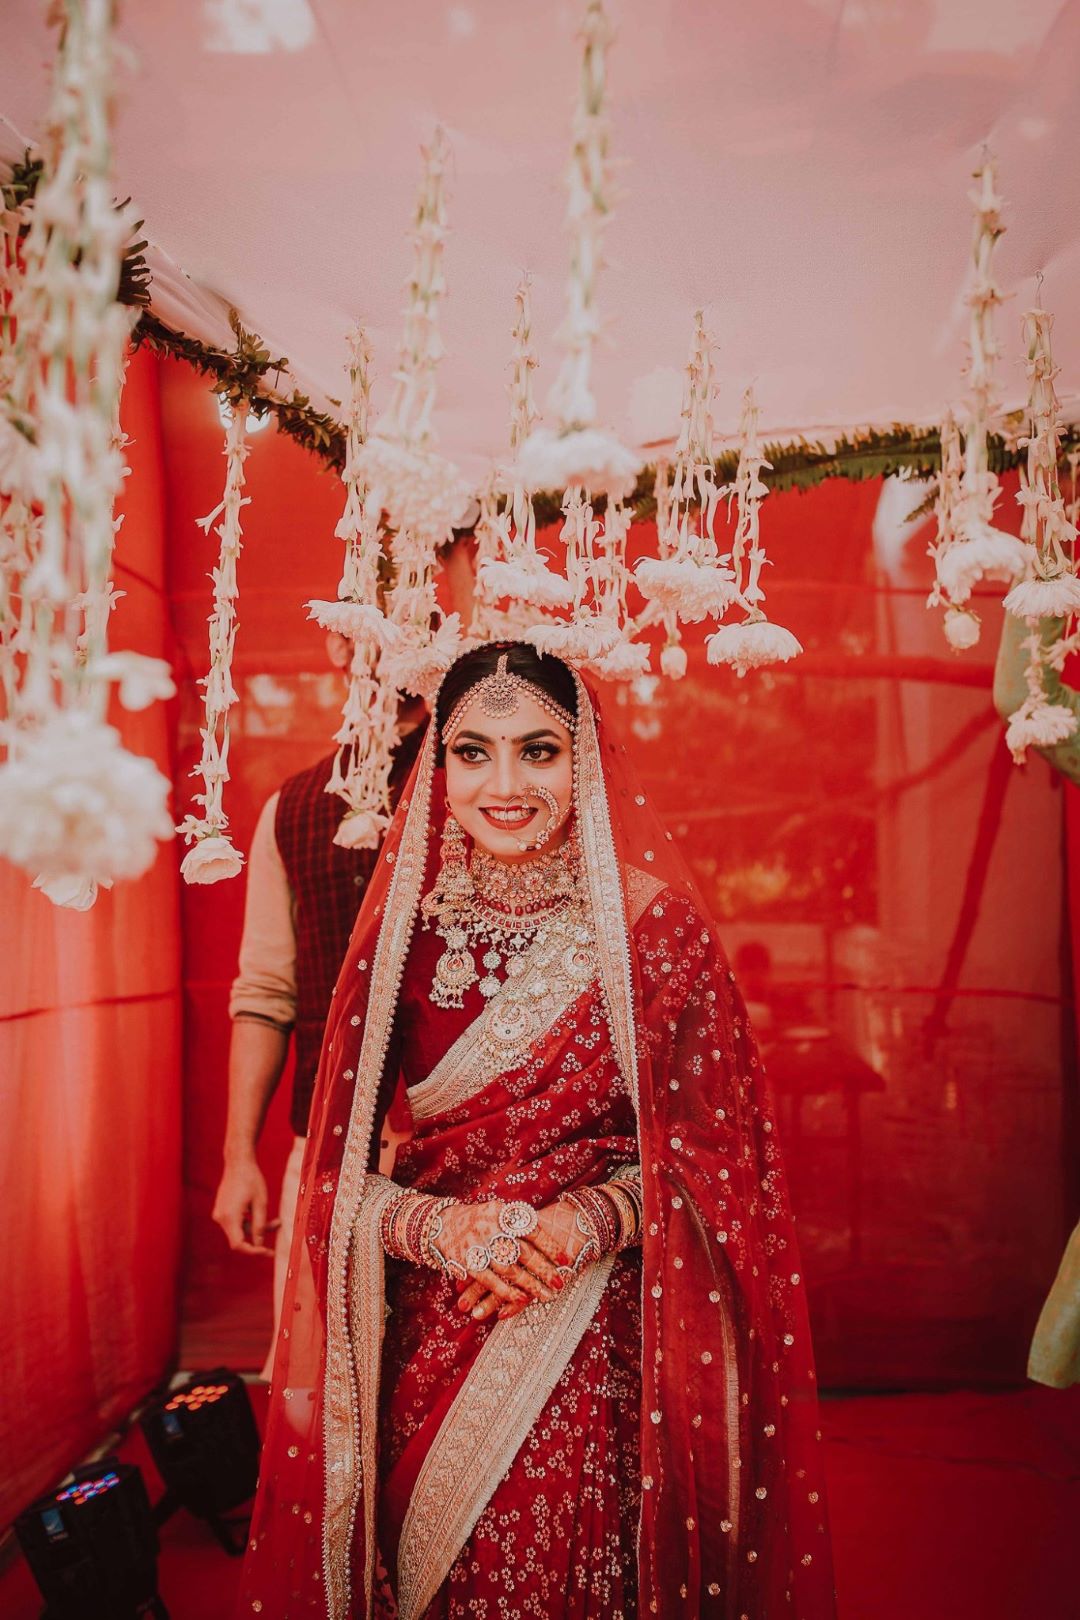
x: 76, y: 805
x: 755, y: 641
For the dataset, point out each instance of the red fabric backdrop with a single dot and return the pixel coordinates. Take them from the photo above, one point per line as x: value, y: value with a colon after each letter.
x: 857, y: 825
x: 892, y: 889
x: 90, y: 1098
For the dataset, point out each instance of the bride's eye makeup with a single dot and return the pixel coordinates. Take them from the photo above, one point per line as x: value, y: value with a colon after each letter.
x: 471, y: 753
x: 539, y: 753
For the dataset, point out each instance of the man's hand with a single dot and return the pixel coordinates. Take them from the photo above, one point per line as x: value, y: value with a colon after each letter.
x: 240, y: 1207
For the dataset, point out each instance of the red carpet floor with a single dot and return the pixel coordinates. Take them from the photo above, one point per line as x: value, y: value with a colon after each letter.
x: 945, y: 1507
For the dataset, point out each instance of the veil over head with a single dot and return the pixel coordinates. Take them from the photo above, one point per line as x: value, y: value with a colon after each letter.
x: 733, y: 1520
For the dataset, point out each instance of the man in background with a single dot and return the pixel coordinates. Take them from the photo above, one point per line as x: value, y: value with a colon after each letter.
x: 303, y: 894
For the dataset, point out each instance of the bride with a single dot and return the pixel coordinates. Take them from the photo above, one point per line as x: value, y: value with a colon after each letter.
x: 544, y: 1349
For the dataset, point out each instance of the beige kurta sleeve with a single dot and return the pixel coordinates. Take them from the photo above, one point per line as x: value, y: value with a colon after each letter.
x: 265, y: 984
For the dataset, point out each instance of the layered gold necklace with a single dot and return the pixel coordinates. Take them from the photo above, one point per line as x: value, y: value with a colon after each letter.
x: 495, y: 908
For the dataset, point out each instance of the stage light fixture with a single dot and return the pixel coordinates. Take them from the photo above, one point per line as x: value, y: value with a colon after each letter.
x: 92, y: 1546
x: 205, y: 1443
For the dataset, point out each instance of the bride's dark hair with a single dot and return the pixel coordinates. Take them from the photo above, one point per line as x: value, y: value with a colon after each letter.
x: 550, y: 674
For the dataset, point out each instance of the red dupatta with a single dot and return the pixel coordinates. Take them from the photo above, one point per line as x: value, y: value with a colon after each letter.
x: 733, y: 1520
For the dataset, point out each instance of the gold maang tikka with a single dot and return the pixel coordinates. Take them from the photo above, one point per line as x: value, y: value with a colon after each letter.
x: 498, y: 695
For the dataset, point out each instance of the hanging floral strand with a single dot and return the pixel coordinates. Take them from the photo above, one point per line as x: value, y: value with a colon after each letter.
x: 422, y: 493
x: 975, y: 550
x: 212, y: 855
x: 755, y: 641
x: 688, y: 581
x: 75, y: 806
x: 961, y: 623
x: 576, y: 451
x: 1051, y: 591
x: 368, y: 732
x: 508, y: 563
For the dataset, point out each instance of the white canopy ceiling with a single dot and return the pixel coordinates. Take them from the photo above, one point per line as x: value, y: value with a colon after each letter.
x: 798, y: 167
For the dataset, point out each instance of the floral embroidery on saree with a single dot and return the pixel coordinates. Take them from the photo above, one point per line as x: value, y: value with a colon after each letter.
x: 505, y: 1391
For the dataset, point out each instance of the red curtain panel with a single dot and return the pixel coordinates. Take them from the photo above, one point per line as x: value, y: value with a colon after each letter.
x: 90, y: 1121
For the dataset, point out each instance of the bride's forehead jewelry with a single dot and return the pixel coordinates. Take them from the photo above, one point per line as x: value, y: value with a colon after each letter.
x: 498, y: 696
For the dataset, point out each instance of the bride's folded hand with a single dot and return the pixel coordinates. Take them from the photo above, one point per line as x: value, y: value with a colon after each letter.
x: 549, y: 1250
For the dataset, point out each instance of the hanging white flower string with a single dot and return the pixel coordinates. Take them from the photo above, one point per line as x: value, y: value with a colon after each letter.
x: 1051, y: 591
x: 75, y: 806
x: 975, y: 550
x: 961, y: 622
x: 368, y: 732
x: 421, y: 491
x: 576, y: 450
x: 754, y: 641
x: 212, y: 855
x: 508, y: 563
x: 688, y: 580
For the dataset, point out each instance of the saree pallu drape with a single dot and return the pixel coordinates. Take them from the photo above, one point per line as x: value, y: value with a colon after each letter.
x: 699, y: 1343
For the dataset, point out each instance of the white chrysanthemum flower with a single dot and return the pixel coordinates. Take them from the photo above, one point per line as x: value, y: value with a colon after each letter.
x: 625, y: 662
x: 357, y: 621
x: 141, y: 680
x: 693, y: 590
x: 980, y: 553
x: 583, y: 640
x: 536, y: 584
x: 211, y: 860
x: 74, y: 802
x: 962, y: 628
x: 591, y: 457
x: 362, y: 829
x: 1045, y: 598
x: 673, y: 661
x: 751, y: 644
x: 72, y: 892
x: 419, y: 667
x: 1038, y: 724
x: 419, y: 490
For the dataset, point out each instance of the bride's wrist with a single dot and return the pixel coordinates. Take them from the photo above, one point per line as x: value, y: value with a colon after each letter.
x: 409, y: 1223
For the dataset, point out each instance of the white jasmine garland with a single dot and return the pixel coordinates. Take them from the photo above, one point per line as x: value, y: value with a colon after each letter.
x: 218, y: 859
x: 92, y: 811
x: 74, y: 803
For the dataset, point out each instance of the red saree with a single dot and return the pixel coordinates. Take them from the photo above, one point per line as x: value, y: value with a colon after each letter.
x: 646, y: 1443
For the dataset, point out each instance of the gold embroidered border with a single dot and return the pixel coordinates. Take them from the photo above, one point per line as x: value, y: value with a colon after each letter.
x: 350, y: 1403
x: 503, y: 1395
x: 601, y: 866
